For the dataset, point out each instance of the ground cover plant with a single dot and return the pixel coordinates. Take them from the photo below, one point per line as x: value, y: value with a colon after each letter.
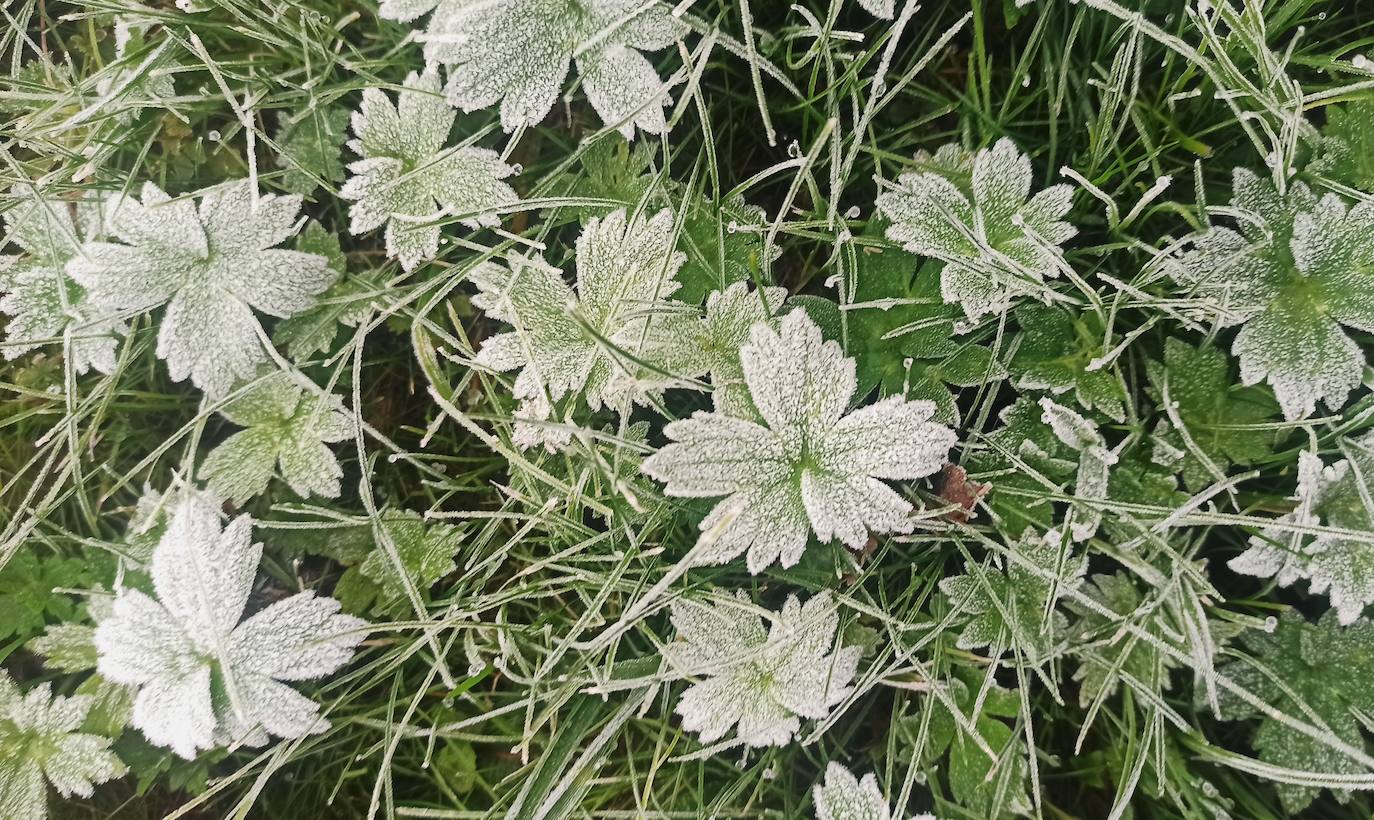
x: 722, y: 408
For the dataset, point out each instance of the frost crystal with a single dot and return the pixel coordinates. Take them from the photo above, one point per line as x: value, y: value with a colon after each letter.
x: 1292, y: 272
x: 883, y: 9
x: 1336, y: 496
x: 214, y: 264
x: 204, y: 679
x: 40, y: 299
x: 808, y: 466
x: 996, y: 244
x: 39, y: 740
x: 845, y: 797
x: 286, y: 430
x: 406, y: 178
x: 762, y: 682
x: 1094, y: 463
x: 517, y: 54
x: 565, y: 342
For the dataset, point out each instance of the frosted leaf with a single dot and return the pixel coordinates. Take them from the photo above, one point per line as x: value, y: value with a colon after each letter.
x: 204, y: 676
x: 759, y: 682
x: 1316, y: 672
x: 518, y: 54
x: 42, y: 302
x: 309, y: 145
x: 802, y: 464
x: 407, y: 177
x: 625, y: 270
x: 844, y: 797
x: 694, y: 346
x: 882, y: 9
x: 1094, y: 463
x: 1291, y: 274
x: 211, y: 266
x: 984, y: 594
x: 39, y: 742
x: 1338, y: 496
x: 998, y: 243
x: 287, y: 431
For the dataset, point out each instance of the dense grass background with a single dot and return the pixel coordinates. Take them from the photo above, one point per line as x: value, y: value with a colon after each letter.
x: 501, y: 694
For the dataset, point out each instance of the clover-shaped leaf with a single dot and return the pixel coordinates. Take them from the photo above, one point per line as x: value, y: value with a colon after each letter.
x: 1291, y: 669
x: 407, y: 178
x: 760, y: 682
x: 1290, y: 274
x: 805, y: 464
x: 42, y: 302
x: 564, y: 342
x: 40, y: 741
x: 214, y: 265
x: 517, y: 54
x: 996, y: 241
x: 1336, y: 496
x: 205, y: 677
x: 287, y: 432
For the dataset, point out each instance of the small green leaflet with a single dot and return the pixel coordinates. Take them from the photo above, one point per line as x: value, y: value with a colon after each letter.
x: 1055, y: 352
x: 902, y: 335
x: 426, y: 551
x: 310, y: 145
x: 287, y: 432
x: 988, y: 597
x: 347, y: 302
x: 1318, y: 673
x: 1345, y: 152
x: 1197, y: 380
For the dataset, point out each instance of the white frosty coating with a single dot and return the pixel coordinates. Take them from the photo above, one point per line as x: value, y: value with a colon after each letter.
x: 42, y: 302
x: 1094, y: 463
x: 518, y: 54
x: 760, y: 682
x: 997, y: 246
x: 407, y: 178
x: 287, y: 430
x: 1337, y: 496
x: 39, y: 740
x: 1291, y: 274
x: 883, y: 9
x: 625, y: 270
x: 844, y: 797
x: 213, y: 266
x: 808, y: 465
x: 173, y: 648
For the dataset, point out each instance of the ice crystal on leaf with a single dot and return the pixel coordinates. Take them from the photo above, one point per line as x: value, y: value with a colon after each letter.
x: 845, y: 797
x: 1290, y: 274
x: 565, y: 341
x: 518, y: 54
x: 1335, y: 496
x: 761, y: 682
x: 1094, y: 463
x: 998, y: 243
x: 406, y: 178
x: 1318, y: 673
x: 1345, y: 152
x: 213, y: 265
x: 288, y: 429
x: 1009, y: 607
x: 883, y: 9
x: 40, y: 741
x: 804, y: 464
x: 42, y: 302
x: 204, y: 678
